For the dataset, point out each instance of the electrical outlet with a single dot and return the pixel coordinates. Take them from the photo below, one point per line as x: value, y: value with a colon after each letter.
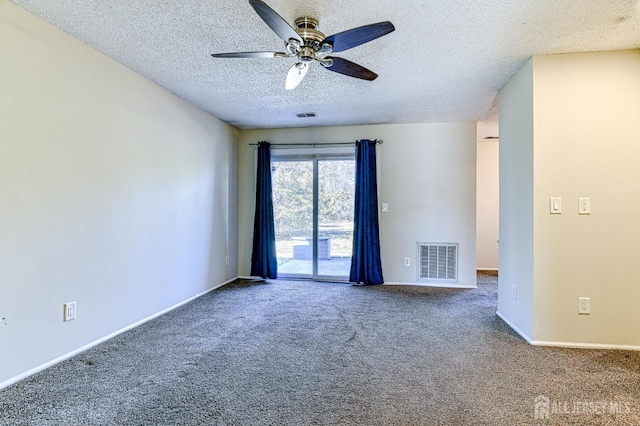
x: 584, y: 305
x: 584, y: 205
x: 69, y: 311
x: 514, y: 292
x: 3, y: 322
x: 407, y: 261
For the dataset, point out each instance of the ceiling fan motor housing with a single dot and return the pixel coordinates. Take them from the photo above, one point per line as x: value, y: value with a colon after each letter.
x: 307, y: 28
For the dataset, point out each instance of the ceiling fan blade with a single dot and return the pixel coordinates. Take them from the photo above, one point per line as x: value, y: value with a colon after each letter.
x: 275, y: 21
x: 250, y: 55
x: 351, y: 69
x: 296, y: 74
x: 357, y: 36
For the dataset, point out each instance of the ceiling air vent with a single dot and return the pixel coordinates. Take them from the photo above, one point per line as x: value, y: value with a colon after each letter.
x: 306, y: 115
x: 438, y: 262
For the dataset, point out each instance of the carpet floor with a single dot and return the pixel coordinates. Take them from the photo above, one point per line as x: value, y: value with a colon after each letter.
x: 309, y: 353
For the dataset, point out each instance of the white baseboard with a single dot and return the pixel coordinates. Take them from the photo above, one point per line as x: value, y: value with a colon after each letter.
x: 581, y: 345
x: 516, y: 329
x: 441, y: 285
x: 75, y: 352
x: 576, y: 345
x: 487, y: 269
x: 419, y: 284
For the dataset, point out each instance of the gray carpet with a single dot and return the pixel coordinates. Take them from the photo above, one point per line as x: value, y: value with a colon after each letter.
x: 298, y: 353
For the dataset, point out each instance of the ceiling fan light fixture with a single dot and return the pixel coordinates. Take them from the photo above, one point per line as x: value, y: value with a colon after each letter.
x: 296, y: 74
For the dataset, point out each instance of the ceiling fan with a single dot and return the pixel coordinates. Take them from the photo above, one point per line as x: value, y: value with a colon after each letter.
x: 307, y: 44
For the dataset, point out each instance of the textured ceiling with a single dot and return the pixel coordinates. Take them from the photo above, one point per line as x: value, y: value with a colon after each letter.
x: 446, y: 60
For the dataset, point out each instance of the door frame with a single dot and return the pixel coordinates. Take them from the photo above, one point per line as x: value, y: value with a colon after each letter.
x: 315, y: 155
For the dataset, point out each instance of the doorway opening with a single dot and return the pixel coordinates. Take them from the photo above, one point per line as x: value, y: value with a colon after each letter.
x: 313, y: 203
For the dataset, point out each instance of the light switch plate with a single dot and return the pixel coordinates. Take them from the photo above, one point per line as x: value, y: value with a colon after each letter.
x: 555, y: 205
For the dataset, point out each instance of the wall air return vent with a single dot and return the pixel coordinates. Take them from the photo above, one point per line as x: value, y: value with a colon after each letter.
x: 438, y: 262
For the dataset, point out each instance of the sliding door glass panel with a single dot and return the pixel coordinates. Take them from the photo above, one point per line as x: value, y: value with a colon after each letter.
x: 293, y: 217
x: 336, y: 193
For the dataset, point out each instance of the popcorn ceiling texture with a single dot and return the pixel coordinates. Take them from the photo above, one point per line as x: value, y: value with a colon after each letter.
x: 446, y: 60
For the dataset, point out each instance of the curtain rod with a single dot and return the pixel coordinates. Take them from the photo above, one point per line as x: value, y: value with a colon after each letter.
x: 378, y: 141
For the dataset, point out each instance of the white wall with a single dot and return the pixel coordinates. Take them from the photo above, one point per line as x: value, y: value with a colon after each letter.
x: 427, y: 175
x: 488, y: 204
x: 516, y: 202
x: 587, y: 144
x: 114, y: 193
x: 569, y: 128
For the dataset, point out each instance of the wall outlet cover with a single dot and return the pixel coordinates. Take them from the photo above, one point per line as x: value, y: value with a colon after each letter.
x: 584, y: 206
x: 69, y: 311
x: 584, y: 305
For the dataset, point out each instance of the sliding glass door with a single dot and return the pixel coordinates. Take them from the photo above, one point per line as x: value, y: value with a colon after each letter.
x: 292, y: 182
x: 313, y: 200
x: 336, y: 194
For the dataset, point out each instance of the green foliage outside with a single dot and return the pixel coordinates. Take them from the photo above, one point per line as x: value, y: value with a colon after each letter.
x: 293, y: 195
x: 292, y: 198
